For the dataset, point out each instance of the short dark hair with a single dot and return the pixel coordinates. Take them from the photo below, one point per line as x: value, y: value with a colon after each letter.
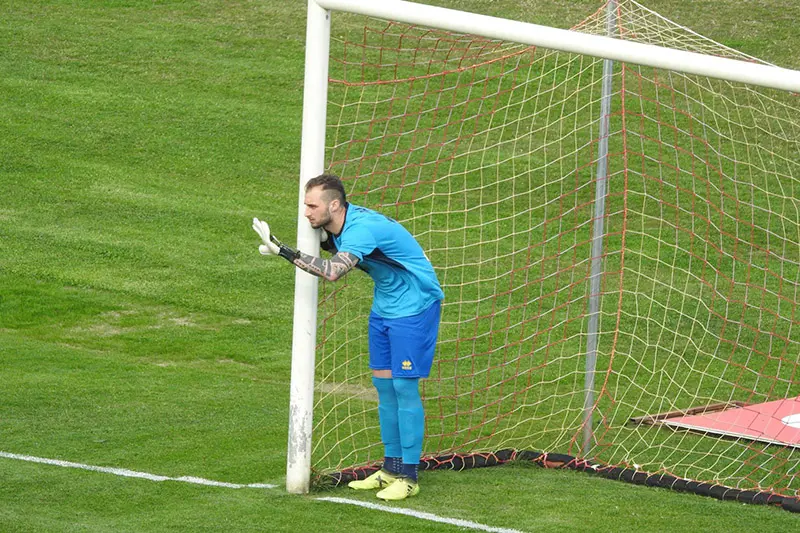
x: 329, y: 182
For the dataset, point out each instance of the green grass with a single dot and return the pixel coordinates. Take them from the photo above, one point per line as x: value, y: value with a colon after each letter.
x: 140, y: 329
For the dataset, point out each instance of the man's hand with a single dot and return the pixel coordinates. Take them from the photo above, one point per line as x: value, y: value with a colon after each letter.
x: 269, y: 247
x: 272, y: 246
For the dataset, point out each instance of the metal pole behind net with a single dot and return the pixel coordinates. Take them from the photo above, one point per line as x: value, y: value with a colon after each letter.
x: 597, y: 239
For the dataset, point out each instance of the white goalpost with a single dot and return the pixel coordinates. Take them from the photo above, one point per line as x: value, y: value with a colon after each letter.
x: 312, y: 155
x: 543, y: 169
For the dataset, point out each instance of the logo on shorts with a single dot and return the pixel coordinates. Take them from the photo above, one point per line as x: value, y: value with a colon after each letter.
x: 406, y: 365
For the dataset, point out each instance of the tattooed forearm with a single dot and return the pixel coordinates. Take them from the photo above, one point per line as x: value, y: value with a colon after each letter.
x: 330, y: 269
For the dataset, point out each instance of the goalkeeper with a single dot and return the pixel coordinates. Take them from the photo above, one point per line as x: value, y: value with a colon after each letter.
x: 403, y: 323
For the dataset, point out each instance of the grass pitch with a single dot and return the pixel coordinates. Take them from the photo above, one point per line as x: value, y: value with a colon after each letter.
x: 139, y: 327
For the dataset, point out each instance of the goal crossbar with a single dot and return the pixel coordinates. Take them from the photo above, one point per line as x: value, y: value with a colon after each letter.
x: 573, y: 42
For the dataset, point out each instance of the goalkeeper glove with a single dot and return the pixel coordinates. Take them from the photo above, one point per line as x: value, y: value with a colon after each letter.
x: 272, y: 246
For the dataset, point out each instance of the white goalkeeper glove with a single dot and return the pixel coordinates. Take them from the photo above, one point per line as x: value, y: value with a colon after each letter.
x: 269, y: 247
x: 272, y: 246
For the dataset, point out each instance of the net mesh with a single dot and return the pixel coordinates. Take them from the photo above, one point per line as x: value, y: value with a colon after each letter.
x: 487, y: 152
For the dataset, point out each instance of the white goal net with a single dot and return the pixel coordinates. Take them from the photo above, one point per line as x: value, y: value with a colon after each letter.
x: 487, y: 151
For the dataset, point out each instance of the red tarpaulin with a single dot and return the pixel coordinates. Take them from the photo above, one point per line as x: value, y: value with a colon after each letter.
x: 775, y: 422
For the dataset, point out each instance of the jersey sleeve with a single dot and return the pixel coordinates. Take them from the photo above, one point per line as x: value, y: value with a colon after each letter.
x: 357, y: 240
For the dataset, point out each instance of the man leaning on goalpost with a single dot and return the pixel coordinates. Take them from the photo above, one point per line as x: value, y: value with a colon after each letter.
x: 403, y: 323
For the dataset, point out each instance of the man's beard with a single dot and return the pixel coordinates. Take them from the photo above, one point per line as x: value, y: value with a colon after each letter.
x: 322, y: 222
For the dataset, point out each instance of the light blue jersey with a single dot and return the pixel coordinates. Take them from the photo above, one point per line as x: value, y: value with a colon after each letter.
x: 405, y: 282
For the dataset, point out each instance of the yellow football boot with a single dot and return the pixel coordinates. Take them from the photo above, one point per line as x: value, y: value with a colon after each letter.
x: 379, y: 480
x: 401, y: 489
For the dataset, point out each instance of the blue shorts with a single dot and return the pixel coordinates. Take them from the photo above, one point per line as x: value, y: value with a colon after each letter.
x: 404, y: 345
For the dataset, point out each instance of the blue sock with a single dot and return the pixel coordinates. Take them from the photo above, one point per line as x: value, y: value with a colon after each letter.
x: 411, y: 421
x: 410, y: 471
x: 387, y: 415
x: 393, y: 465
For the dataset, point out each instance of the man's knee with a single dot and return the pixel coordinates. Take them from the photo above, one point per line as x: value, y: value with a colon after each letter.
x: 407, y: 389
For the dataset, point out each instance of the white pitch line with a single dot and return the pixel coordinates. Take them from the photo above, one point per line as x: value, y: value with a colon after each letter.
x: 132, y: 473
x: 422, y: 515
x: 208, y: 482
